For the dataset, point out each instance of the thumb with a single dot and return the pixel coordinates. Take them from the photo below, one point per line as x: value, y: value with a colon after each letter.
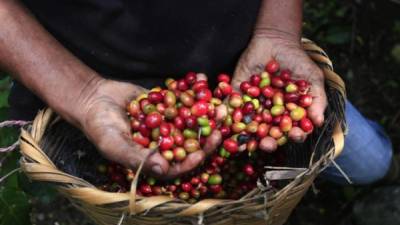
x: 120, y: 148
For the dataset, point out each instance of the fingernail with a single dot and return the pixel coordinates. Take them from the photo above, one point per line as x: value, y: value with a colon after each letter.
x: 157, y: 170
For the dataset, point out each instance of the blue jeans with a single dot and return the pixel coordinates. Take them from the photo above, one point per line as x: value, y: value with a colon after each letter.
x: 367, y: 152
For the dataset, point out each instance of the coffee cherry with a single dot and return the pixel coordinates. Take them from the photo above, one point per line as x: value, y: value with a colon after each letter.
x: 179, y: 139
x: 252, y: 146
x: 200, y: 108
x: 265, y: 82
x: 225, y: 131
x: 272, y: 66
x: 253, y: 91
x: 215, y: 179
x: 190, y: 77
x: 156, y: 190
x: 285, y: 123
x: 248, y: 170
x: 285, y: 75
x: 191, y: 145
x: 155, y: 97
x: 291, y: 88
x: 133, y: 108
x: 305, y: 101
x: 224, y: 78
x: 306, y: 125
x: 186, y: 187
x: 186, y: 99
x: 297, y: 114
x: 248, y: 108
x: 138, y: 138
x: 179, y: 153
x: 282, y: 140
x: 255, y: 79
x: 262, y: 130
x: 235, y: 101
x: 166, y: 143
x: 244, y: 86
x: 184, y: 195
x: 252, y: 127
x: 291, y: 97
x: 290, y: 106
x: 149, y: 108
x: 277, y: 110
x: 204, y: 177
x: 191, y: 122
x: 182, y: 85
x: 277, y: 82
x: 165, y: 129
x: 303, y: 85
x: 268, y: 144
x: 231, y: 146
x: 238, y: 127
x: 204, y: 95
x: 215, y: 188
x: 195, y: 193
x: 218, y: 93
x: 205, y: 131
x: 268, y: 91
x: 277, y: 99
x: 237, y: 115
x: 179, y: 123
x: 225, y: 88
x: 169, y: 98
x: 275, y: 132
x: 145, y: 189
x: 170, y: 113
x: 144, y: 131
x: 199, y: 85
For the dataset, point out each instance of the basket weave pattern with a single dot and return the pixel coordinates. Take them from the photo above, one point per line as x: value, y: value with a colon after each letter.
x: 263, y: 205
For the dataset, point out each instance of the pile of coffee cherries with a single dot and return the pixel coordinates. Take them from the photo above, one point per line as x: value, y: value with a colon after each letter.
x: 175, y: 120
x: 178, y: 119
x: 269, y: 105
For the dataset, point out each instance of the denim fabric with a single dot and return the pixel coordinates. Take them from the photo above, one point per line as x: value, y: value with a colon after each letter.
x: 367, y: 152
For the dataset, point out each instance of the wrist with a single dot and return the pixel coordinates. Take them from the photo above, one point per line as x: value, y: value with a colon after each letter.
x: 75, y: 108
x: 276, y: 34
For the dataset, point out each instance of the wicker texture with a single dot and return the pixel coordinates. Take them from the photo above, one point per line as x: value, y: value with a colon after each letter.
x: 263, y: 205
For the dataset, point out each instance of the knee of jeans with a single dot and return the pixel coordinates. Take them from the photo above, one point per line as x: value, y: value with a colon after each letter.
x: 374, y: 173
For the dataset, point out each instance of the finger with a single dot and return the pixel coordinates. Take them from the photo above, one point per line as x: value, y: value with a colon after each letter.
x: 296, y: 134
x: 190, y: 162
x: 268, y: 144
x: 121, y: 149
x: 212, y: 142
x: 316, y: 110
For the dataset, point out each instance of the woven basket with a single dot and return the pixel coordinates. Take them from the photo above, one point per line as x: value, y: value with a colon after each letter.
x: 47, y: 143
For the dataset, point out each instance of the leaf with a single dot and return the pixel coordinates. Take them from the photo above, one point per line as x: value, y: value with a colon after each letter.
x: 14, y: 207
x: 396, y: 53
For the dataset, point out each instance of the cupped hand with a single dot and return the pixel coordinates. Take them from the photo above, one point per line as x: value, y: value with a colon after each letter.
x: 104, y: 121
x: 287, y: 50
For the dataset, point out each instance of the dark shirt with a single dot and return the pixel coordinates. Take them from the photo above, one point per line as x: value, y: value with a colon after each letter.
x: 130, y: 40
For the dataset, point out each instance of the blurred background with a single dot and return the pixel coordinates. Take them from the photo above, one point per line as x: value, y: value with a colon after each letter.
x: 363, y: 40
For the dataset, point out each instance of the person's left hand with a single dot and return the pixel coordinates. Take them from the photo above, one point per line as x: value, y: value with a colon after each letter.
x: 287, y: 50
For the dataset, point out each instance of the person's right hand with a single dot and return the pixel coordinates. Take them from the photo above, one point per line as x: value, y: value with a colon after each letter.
x: 103, y: 118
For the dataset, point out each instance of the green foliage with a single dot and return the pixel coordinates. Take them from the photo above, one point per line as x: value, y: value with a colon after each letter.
x: 14, y: 206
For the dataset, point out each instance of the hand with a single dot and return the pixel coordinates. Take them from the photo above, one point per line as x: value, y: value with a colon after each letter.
x: 286, y: 49
x: 104, y: 120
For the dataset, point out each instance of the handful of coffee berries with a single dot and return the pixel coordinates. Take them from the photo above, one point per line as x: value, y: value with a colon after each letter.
x: 178, y: 119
